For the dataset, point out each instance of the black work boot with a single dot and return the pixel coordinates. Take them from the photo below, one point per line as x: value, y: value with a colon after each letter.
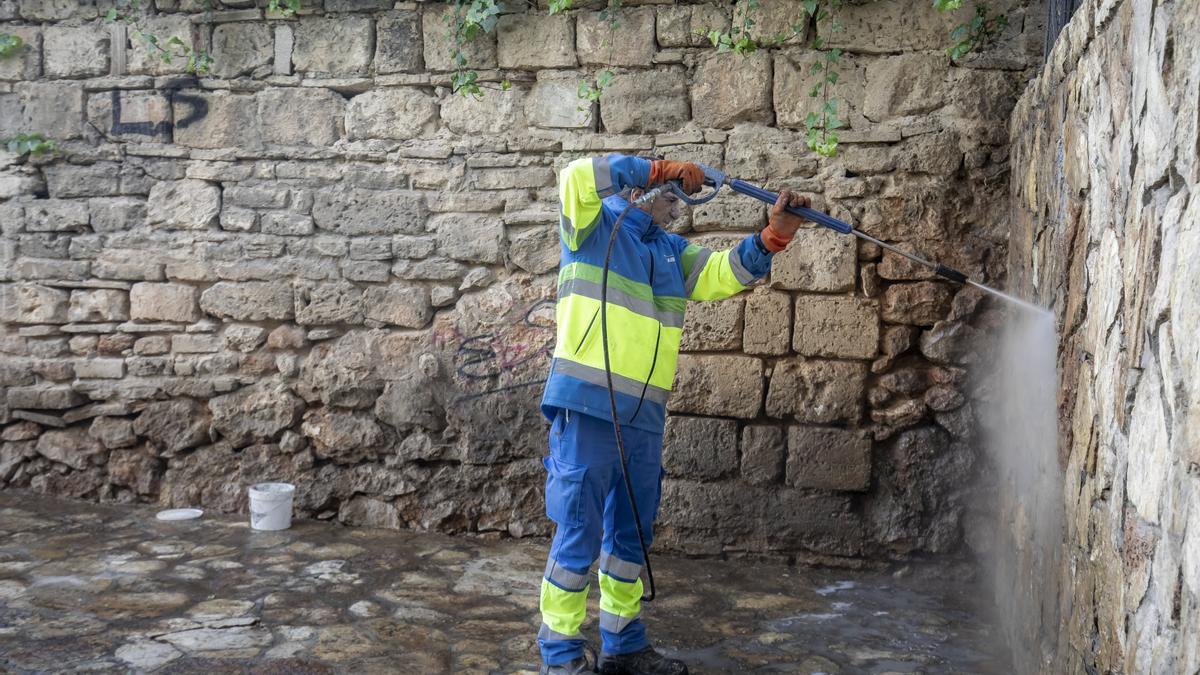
x: 644, y: 662
x: 577, y: 666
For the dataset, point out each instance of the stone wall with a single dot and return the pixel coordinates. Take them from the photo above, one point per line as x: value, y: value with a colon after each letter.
x: 320, y: 266
x: 1106, y: 167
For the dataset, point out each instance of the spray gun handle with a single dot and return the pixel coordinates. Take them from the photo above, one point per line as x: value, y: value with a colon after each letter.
x: 769, y: 197
x: 712, y: 177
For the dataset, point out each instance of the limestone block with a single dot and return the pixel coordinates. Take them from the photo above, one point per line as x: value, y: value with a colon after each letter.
x: 144, y: 60
x: 75, y: 51
x: 355, y: 211
x: 398, y: 44
x: 105, y: 369
x: 729, y: 386
x: 257, y: 413
x: 553, y: 103
x: 347, y: 437
x: 323, y: 304
x: 757, y: 152
x: 242, y: 48
x: 919, y: 304
x: 439, y: 43
x: 984, y: 95
x: 535, y: 249
x: 340, y: 47
x: 249, y: 300
x: 187, y: 204
x: 355, y: 5
x: 112, y: 214
x: 31, y: 303
x: 883, y: 27
x: 534, y: 41
x: 113, y: 432
x: 402, y: 305
x: 56, y: 215
x: 936, y: 153
x: 43, y: 397
x: 72, y: 447
x: 898, y: 268
x: 713, y: 326
x: 231, y: 121
x: 163, y: 302
x: 816, y: 260
x: 54, y: 109
x: 688, y: 25
x: 133, y: 116
x: 699, y: 447
x: 828, y: 459
x: 101, y: 304
x: 839, y: 327
x: 68, y: 181
x: 631, y: 44
x: 509, y: 179
x: 795, y: 78
x: 399, y: 114
x: 729, y: 211
x: 290, y: 224
x: 26, y: 62
x: 729, y: 89
x: 763, y: 453
x: 496, y: 113
x: 645, y: 102
x: 244, y: 338
x: 195, y: 344
x: 817, y: 391
x: 768, y: 324
x: 905, y: 84
x: 480, y: 238
x: 174, y: 426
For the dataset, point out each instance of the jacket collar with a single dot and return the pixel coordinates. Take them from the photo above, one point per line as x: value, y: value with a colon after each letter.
x: 637, y: 222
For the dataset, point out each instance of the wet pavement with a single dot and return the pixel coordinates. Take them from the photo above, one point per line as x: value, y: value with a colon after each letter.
x: 106, y: 588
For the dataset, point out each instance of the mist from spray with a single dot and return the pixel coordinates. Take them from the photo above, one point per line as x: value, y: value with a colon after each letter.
x: 1020, y: 426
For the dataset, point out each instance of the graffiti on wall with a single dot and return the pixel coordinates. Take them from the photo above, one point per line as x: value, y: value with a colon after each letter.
x: 506, y: 359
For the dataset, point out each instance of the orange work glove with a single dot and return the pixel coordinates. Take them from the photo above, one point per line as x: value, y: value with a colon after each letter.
x: 781, y: 225
x: 663, y: 170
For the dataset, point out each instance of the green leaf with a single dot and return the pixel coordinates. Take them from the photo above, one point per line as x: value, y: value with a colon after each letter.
x: 833, y: 123
x: 815, y: 91
x: 9, y: 44
x: 810, y: 6
x: 811, y: 120
x: 816, y: 67
x: 818, y: 42
x: 505, y: 85
x: 110, y: 15
x: 830, y: 107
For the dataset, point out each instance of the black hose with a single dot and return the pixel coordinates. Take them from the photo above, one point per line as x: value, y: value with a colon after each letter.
x: 612, y: 400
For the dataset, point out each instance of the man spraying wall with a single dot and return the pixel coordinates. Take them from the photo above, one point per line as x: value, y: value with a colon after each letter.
x: 602, y: 494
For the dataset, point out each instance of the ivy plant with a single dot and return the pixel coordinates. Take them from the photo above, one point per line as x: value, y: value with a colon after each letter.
x: 29, y: 144
x: 738, y: 38
x: 9, y: 45
x: 198, y: 61
x: 982, y: 30
x: 467, y: 20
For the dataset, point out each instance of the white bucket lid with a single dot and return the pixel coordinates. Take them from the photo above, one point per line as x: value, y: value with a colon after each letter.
x: 272, y: 491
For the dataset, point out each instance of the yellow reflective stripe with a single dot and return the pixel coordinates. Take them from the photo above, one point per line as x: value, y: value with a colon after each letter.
x: 631, y: 337
x: 580, y: 202
x: 620, y: 598
x: 718, y: 279
x: 563, y: 611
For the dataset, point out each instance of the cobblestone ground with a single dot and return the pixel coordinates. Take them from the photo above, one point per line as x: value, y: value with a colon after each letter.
x: 86, y: 588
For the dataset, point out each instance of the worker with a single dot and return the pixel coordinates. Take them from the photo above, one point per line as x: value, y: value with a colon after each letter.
x: 652, y: 275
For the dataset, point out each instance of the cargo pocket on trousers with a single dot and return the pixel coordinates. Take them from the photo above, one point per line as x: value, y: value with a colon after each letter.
x: 564, y: 491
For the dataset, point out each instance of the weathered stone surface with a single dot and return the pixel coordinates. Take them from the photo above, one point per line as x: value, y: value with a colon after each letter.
x: 713, y: 326
x: 687, y: 25
x: 835, y: 326
x: 113, y: 432
x: 174, y: 426
x: 31, y: 303
x: 134, y: 468
x: 402, y: 305
x: 730, y: 386
x: 343, y: 373
x: 768, y: 323
x: 763, y: 453
x: 632, y: 44
x: 534, y: 41
x: 242, y: 49
x: 143, y: 61
x: 909, y: 84
x: 828, y: 459
x: 479, y: 239
x: 344, y: 437
x: 757, y: 152
x: 535, y: 250
x: 306, y: 116
x: 354, y: 211
x: 55, y: 109
x: 727, y: 91
x: 43, y: 397
x: 99, y: 368
x: 552, y: 102
x: 920, y: 304
x: 398, y: 114
x: 647, y: 102
x: 496, y: 113
x: 436, y: 36
x: 322, y: 304
x: 249, y: 300
x: 333, y: 46
x: 75, y: 51
x: 25, y: 63
x: 72, y: 447
x: 257, y: 413
x: 949, y: 342
x: 700, y: 447
x: 56, y: 215
x: 816, y: 260
x: 819, y: 392
x: 231, y: 121
x: 795, y: 77
x: 398, y: 42
x: 183, y: 205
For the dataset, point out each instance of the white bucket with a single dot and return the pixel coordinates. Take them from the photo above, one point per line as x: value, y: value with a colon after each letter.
x: 271, y: 506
